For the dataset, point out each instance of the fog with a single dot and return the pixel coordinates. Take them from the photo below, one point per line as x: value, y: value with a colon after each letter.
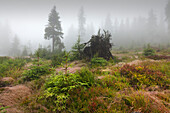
x: 132, y: 23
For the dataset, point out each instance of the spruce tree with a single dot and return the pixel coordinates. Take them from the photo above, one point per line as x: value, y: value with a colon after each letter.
x: 54, y: 31
x: 77, y: 50
x: 81, y: 23
x: 167, y: 12
x: 15, y: 50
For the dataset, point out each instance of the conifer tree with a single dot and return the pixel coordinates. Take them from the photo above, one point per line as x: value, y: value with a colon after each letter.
x: 15, y: 51
x: 167, y: 12
x: 81, y: 23
x: 54, y: 31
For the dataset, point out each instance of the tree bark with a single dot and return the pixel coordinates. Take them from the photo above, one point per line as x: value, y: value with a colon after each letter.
x: 53, y: 44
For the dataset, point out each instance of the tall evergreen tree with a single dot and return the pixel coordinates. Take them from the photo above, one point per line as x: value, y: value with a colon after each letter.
x: 70, y: 37
x: 15, y: 50
x: 90, y: 31
x: 5, y: 33
x: 81, y: 23
x: 25, y: 51
x: 167, y: 12
x: 108, y: 24
x: 53, y: 30
x: 152, y: 22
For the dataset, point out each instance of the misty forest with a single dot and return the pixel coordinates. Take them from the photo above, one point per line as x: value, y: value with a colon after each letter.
x: 85, y: 56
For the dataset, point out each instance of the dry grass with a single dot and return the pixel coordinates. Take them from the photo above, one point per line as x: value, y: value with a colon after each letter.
x: 12, y: 96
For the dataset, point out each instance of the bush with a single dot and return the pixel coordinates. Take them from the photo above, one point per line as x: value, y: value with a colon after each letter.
x: 3, y: 59
x: 116, y: 83
x: 98, y: 61
x: 159, y: 57
x: 149, y: 51
x: 34, y: 72
x: 142, y: 75
x: 77, y: 50
x: 57, y: 59
x: 11, y: 64
x: 57, y: 88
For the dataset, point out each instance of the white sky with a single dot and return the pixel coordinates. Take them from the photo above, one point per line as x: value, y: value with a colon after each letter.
x: 27, y: 18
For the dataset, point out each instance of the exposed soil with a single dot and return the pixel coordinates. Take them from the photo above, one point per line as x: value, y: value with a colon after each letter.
x: 76, y: 66
x: 12, y: 96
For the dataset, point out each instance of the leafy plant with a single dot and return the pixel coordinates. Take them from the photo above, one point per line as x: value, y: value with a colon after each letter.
x: 142, y: 75
x: 149, y: 51
x: 57, y: 88
x: 57, y: 59
x: 77, y: 50
x: 98, y: 61
x: 116, y: 83
x: 11, y: 64
x: 3, y: 109
x: 34, y: 72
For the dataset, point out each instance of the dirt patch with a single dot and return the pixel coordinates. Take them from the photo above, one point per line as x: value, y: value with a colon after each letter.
x: 135, y: 62
x: 12, y: 96
x: 28, y: 65
x: 101, y: 77
x: 76, y: 66
x: 5, y: 81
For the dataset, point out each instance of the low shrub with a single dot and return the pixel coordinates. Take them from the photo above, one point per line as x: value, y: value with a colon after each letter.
x: 116, y: 83
x: 57, y: 59
x: 158, y: 57
x: 3, y: 109
x: 3, y: 59
x: 94, y: 99
x: 139, y: 102
x: 11, y: 64
x: 149, y: 51
x: 57, y: 88
x: 98, y: 61
x: 34, y: 72
x: 142, y: 75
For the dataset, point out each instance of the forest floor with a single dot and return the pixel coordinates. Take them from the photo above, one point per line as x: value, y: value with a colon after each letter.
x: 13, y: 94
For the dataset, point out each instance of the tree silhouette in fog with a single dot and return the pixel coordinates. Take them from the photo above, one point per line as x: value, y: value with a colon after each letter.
x: 15, y: 49
x: 167, y: 12
x: 54, y: 31
x: 108, y: 24
x: 81, y: 23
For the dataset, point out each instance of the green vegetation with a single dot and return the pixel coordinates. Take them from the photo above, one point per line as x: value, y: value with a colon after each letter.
x: 2, y: 109
x: 142, y: 75
x: 98, y: 61
x: 77, y: 50
x: 57, y: 88
x: 103, y: 86
x: 8, y: 65
x: 149, y: 51
x: 36, y: 70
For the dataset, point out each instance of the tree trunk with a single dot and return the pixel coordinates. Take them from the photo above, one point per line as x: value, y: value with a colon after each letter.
x: 53, y: 44
x: 66, y: 67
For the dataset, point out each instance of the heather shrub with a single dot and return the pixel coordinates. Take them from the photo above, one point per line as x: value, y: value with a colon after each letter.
x: 158, y: 57
x: 116, y: 83
x: 142, y: 75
